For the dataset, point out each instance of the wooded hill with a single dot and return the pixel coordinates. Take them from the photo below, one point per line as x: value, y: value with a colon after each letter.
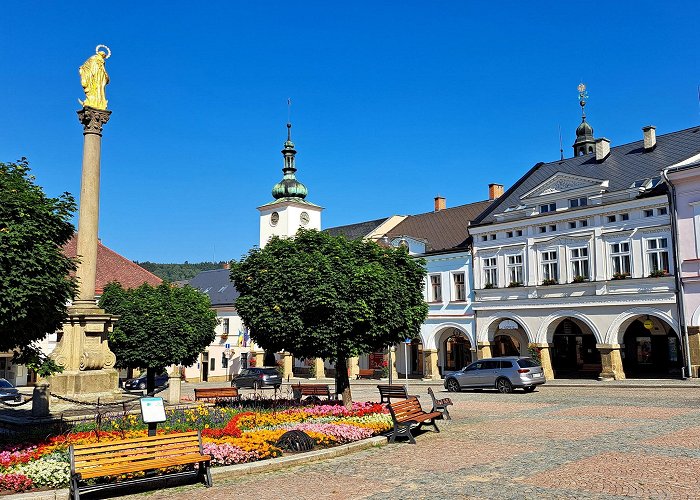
x: 177, y: 272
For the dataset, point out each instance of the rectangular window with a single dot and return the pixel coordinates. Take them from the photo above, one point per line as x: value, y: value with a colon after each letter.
x: 572, y: 225
x: 225, y: 323
x: 509, y: 234
x: 515, y: 269
x: 579, y: 263
x: 625, y: 216
x: 578, y: 202
x: 553, y: 227
x: 484, y: 237
x: 661, y: 211
x: 212, y: 364
x: 435, y: 288
x: 583, y: 223
x: 611, y: 218
x: 550, y: 269
x: 542, y: 229
x: 224, y: 360
x: 490, y: 272
x: 493, y: 236
x: 620, y: 257
x: 519, y: 232
x: 648, y: 213
x: 657, y: 255
x: 549, y: 207
x: 460, y: 289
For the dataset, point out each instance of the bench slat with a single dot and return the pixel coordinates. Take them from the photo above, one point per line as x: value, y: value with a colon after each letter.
x: 120, y: 445
x: 148, y: 439
x: 132, y: 455
x: 144, y: 465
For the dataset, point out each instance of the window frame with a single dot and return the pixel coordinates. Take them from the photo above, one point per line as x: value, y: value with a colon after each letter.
x: 489, y: 267
x: 435, y: 286
x: 653, y: 255
x: 549, y: 264
x: 456, y: 286
x: 511, y: 268
x: 578, y: 202
x: 547, y: 208
x: 577, y: 261
x: 620, y: 255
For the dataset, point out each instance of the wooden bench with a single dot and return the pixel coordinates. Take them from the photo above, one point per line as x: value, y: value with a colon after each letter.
x: 386, y: 392
x: 114, y: 458
x: 440, y: 404
x: 313, y: 391
x: 216, y: 393
x: 365, y: 374
x: 407, y: 415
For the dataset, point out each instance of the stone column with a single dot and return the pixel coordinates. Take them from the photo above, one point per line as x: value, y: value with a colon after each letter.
x: 40, y: 401
x: 287, y: 364
x: 259, y: 358
x: 353, y: 368
x: 174, y: 391
x: 611, y: 361
x: 483, y: 350
x: 392, y: 367
x: 545, y: 360
x: 82, y: 347
x: 88, y: 217
x: 319, y: 368
x: 430, y: 365
x: 694, y: 349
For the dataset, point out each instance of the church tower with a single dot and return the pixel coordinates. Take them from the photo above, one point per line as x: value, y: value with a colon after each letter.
x: 289, y: 211
x: 585, y: 142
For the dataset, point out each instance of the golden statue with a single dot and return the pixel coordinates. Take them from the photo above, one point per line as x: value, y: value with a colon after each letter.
x: 94, y: 79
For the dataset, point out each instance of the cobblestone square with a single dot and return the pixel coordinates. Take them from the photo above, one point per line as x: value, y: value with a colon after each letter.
x: 559, y: 442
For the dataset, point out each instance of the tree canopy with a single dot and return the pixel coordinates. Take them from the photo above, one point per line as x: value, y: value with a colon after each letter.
x: 317, y: 295
x: 35, y: 282
x: 158, y: 326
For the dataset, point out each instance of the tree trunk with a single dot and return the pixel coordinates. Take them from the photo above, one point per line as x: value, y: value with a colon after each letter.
x: 342, y: 381
x: 150, y: 381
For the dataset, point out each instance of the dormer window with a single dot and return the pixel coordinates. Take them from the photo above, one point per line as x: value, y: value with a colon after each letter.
x: 624, y: 217
x: 578, y: 202
x: 549, y: 207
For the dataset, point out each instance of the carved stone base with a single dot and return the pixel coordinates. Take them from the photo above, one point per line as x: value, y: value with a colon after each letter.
x: 86, y: 385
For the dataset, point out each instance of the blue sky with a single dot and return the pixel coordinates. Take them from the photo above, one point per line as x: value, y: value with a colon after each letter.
x: 392, y: 103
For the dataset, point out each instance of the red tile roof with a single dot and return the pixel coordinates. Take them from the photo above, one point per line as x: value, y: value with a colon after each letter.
x: 113, y: 267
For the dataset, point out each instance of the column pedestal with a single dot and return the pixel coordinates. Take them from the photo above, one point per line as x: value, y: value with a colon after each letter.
x: 430, y: 365
x: 483, y: 350
x: 287, y: 364
x: 319, y: 368
x: 611, y: 361
x: 694, y: 349
x: 353, y: 368
x: 545, y: 360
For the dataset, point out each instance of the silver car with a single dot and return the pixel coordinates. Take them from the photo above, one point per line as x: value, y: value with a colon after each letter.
x: 504, y: 373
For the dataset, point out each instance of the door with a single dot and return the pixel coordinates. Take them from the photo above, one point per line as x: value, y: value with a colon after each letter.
x: 470, y: 376
x: 205, y: 367
x: 488, y: 373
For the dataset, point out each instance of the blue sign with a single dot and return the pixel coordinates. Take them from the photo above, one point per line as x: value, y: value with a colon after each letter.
x: 408, y: 341
x: 227, y: 346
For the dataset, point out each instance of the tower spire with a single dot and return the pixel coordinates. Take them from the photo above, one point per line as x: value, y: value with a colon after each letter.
x: 585, y: 142
x: 289, y: 186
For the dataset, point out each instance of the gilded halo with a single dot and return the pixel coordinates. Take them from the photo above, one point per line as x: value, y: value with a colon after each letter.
x: 107, y: 54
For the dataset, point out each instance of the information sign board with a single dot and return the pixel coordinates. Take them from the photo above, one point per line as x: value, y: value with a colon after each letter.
x: 152, y: 410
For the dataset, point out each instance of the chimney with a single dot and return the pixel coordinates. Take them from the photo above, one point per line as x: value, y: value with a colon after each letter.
x: 495, y: 191
x: 440, y: 203
x: 649, y: 137
x: 602, y: 148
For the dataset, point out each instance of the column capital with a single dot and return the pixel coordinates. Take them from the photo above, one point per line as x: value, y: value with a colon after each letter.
x: 608, y: 347
x: 541, y: 346
x: 93, y: 120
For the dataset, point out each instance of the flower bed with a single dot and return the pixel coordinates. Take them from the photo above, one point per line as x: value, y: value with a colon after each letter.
x: 230, y: 435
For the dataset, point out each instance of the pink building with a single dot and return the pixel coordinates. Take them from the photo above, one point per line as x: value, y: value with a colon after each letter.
x: 684, y: 179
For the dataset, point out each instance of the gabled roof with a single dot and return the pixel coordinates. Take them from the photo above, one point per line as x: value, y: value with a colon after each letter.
x: 114, y: 267
x: 217, y: 285
x: 627, y: 165
x: 356, y: 231
x: 442, y: 230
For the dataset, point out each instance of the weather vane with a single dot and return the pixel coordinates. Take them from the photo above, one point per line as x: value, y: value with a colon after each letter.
x: 582, y: 96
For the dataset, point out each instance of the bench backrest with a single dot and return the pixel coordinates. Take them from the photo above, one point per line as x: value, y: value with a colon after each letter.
x: 402, y: 411
x: 393, y: 390
x: 214, y: 392
x: 312, y: 389
x: 88, y: 460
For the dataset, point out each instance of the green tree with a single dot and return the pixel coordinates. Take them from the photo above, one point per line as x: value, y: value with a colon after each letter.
x: 317, y: 295
x: 35, y: 282
x: 158, y: 326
